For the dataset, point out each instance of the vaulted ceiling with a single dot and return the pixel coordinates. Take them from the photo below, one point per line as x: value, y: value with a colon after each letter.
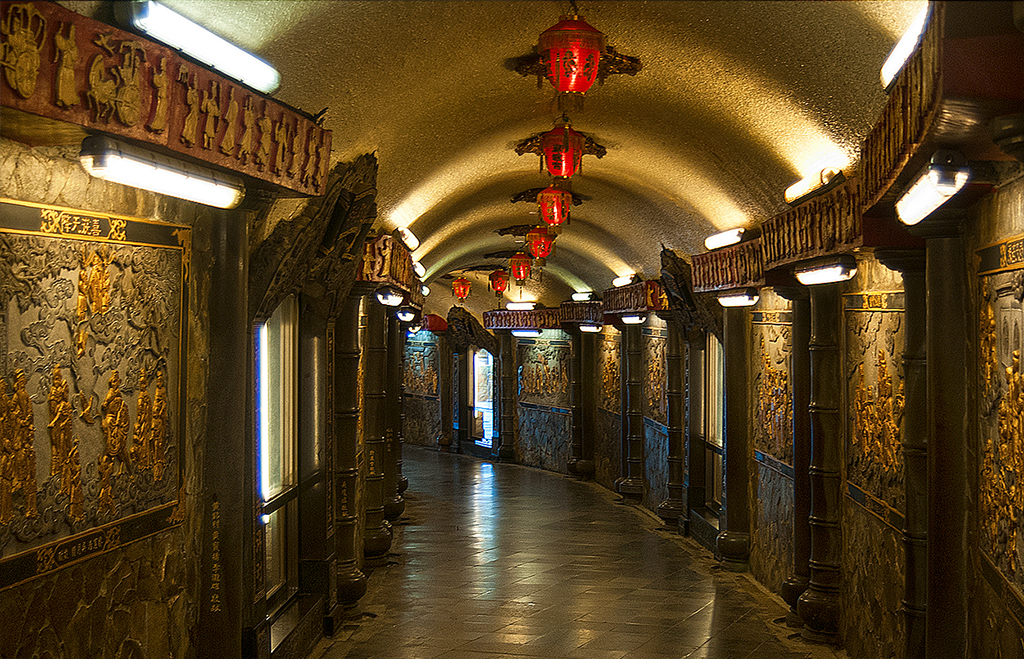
x: 735, y: 102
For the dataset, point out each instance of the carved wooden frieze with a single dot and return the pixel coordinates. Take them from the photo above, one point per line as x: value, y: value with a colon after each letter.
x: 828, y: 224
x: 640, y: 296
x: 736, y: 266
x: 591, y: 312
x: 387, y: 261
x: 1001, y: 401
x: 93, y: 311
x: 63, y: 66
x: 875, y: 389
x: 507, y: 319
x: 543, y: 372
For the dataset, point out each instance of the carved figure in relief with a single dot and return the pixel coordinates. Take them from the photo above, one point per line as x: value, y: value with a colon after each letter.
x: 73, y: 469
x: 775, y: 409
x: 115, y: 424
x: 211, y: 106
x: 876, y: 417
x: 266, y: 140
x: 158, y: 428
x: 248, y: 121
x: 143, y: 425
x: 281, y: 136
x: 1002, y: 495
x: 60, y: 425
x: 323, y: 159
x: 191, y: 124
x: 308, y: 163
x: 227, y: 143
x: 7, y: 451
x: 989, y: 353
x: 122, y: 92
x: 294, y: 150
x: 66, y: 58
x: 161, y: 83
x: 24, y: 29
x: 24, y: 445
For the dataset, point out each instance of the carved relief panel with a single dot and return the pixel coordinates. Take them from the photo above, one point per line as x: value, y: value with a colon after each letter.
x: 875, y: 389
x: 655, y: 375
x: 543, y: 372
x: 92, y: 310
x: 611, y: 385
x: 421, y: 367
x: 1001, y: 399
x: 772, y: 355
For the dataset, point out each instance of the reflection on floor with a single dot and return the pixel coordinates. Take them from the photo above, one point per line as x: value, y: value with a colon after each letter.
x: 499, y: 561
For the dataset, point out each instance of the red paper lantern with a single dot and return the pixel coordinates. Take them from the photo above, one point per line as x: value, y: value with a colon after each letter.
x: 563, y: 151
x: 554, y: 208
x: 541, y: 243
x: 572, y: 49
x: 520, y: 267
x: 460, y: 288
x: 499, y: 282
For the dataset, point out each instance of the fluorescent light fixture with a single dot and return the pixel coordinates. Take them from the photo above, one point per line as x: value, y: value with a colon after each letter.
x: 520, y: 306
x: 624, y: 280
x: 425, y: 290
x: 743, y: 297
x: 634, y: 318
x: 945, y: 175
x: 173, y: 29
x: 406, y: 314
x: 583, y: 297
x: 389, y: 296
x: 827, y: 270
x: 414, y: 329
x: 418, y: 268
x: 904, y: 48
x: 123, y: 163
x: 811, y: 186
x: 408, y: 238
x: 723, y: 239
x: 526, y: 333
x: 587, y: 327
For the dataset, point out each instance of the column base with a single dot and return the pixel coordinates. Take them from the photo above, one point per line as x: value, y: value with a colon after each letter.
x: 403, y: 483
x: 376, y: 544
x: 351, y: 584
x: 394, y: 507
x: 793, y: 588
x: 631, y: 488
x: 585, y: 469
x: 820, y: 612
x: 670, y: 510
x: 734, y: 547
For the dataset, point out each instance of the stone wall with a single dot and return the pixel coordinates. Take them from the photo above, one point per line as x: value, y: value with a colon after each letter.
x: 542, y: 391
x: 422, y: 400
x: 655, y: 388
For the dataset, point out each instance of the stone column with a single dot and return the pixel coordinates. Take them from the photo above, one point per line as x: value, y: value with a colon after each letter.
x: 632, y: 485
x: 350, y: 582
x: 394, y: 503
x: 674, y: 507
x: 575, y: 399
x: 377, y: 533
x: 800, y: 379
x: 734, y: 539
x: 503, y: 449
x: 589, y: 381
x: 819, y: 606
x: 465, y: 396
x: 693, y: 480
x: 445, y: 392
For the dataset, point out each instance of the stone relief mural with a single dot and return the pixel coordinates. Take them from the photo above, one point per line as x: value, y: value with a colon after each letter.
x: 874, y: 362
x: 421, y: 368
x: 92, y: 311
x: 610, y: 375
x: 543, y: 373
x: 773, y: 431
x: 656, y: 377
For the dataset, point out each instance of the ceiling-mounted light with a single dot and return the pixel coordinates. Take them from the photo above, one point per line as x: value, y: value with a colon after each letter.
x: 583, y: 296
x: 414, y: 329
x: 425, y: 290
x: 743, y: 297
x: 946, y: 174
x: 812, y: 186
x: 520, y: 306
x: 904, y: 48
x: 827, y: 270
x: 389, y: 296
x: 624, y: 280
x: 115, y: 161
x: 724, y: 239
x: 178, y: 32
x: 460, y: 288
x: 526, y: 333
x: 407, y: 314
x: 587, y: 327
x: 418, y: 268
x: 408, y: 238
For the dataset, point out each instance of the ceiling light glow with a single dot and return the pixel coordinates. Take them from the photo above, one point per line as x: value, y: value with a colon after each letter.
x: 723, y: 239
x: 904, y: 48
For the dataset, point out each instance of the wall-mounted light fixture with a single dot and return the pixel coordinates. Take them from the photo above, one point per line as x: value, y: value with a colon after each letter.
x: 418, y: 268
x: 425, y: 290
x: 586, y: 327
x: 526, y: 333
x: 624, y: 280
x: 178, y: 32
x: 414, y: 329
x: 827, y: 270
x: 407, y: 238
x: 520, y: 306
x: 724, y: 239
x: 742, y: 297
x: 389, y: 296
x: 122, y: 163
x: 904, y: 48
x: 812, y: 186
x: 634, y: 318
x: 945, y: 175
x: 583, y: 296
x: 407, y: 314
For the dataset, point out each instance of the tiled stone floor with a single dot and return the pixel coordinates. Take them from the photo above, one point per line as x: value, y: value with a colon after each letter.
x: 500, y: 561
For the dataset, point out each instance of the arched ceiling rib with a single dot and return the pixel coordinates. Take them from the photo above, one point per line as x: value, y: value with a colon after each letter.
x: 736, y: 101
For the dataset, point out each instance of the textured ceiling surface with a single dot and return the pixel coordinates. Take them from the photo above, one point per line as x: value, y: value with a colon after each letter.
x: 735, y: 102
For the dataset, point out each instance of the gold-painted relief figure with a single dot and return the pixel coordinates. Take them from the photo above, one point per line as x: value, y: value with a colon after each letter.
x: 1002, y: 494
x: 227, y: 143
x: 121, y: 92
x: 211, y: 106
x: 23, y: 30
x: 656, y: 380
x: 60, y: 423
x: 139, y: 452
x: 24, y: 445
x: 281, y: 136
x: 158, y: 428
x: 248, y: 122
x: 191, y: 125
x: 989, y: 348
x: 161, y: 83
x: 7, y: 453
x: 876, y: 432
x: 66, y: 59
x: 308, y: 163
x: 775, y: 405
x: 263, y: 151
x: 115, y: 425
x: 294, y: 149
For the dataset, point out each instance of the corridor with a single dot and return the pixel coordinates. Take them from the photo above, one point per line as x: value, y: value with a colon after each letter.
x: 498, y: 561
